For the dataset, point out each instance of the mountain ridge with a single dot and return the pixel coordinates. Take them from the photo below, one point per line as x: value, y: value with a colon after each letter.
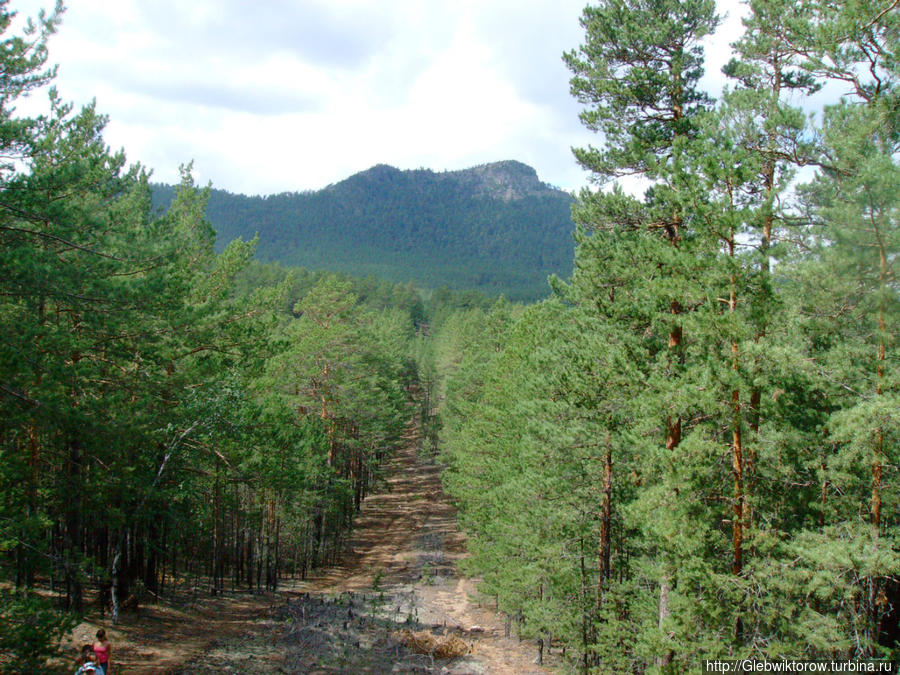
x: 496, y: 227
x: 506, y: 179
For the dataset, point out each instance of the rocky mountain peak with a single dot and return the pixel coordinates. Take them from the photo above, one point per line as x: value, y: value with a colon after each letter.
x: 506, y: 180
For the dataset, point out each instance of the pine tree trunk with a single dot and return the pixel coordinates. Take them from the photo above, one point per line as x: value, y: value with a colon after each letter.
x: 755, y: 410
x: 737, y: 462
x: 216, y: 534
x: 666, y: 658
x: 74, y: 525
x: 587, y: 616
x: 878, y: 460
x: 737, y: 447
x: 114, y: 588
x: 605, y: 524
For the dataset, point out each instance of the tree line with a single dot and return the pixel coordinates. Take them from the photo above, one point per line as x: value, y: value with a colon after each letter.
x: 172, y: 418
x: 690, y: 451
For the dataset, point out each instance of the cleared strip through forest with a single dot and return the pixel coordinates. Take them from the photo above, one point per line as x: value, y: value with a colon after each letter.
x: 399, y: 575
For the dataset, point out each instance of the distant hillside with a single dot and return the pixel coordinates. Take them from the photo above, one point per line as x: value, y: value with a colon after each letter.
x: 495, y: 228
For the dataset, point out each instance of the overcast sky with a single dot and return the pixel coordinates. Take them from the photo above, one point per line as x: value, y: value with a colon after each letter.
x: 284, y: 95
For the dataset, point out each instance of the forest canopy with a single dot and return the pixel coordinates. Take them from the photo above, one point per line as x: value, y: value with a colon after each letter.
x: 691, y: 450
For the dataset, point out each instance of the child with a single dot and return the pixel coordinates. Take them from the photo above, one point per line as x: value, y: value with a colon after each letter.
x: 86, y: 661
x: 102, y: 648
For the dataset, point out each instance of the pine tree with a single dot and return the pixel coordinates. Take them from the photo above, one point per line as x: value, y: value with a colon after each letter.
x: 850, y: 309
x: 642, y: 263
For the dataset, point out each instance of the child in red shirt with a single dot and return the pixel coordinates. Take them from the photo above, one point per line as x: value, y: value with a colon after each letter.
x: 102, y: 648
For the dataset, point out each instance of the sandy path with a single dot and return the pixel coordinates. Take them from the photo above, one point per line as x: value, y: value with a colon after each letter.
x: 407, y: 539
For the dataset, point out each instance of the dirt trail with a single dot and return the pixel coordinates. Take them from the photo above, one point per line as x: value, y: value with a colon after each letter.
x: 401, y: 575
x: 407, y: 543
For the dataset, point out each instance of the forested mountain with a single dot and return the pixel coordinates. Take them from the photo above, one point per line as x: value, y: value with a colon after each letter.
x: 495, y: 228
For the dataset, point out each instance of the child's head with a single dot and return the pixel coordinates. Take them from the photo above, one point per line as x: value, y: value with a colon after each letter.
x: 87, y: 654
x: 101, y: 635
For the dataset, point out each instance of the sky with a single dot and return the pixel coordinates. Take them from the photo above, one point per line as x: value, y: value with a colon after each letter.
x: 291, y: 95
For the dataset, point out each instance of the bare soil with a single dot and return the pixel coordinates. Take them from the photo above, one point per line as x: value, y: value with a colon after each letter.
x: 387, y: 608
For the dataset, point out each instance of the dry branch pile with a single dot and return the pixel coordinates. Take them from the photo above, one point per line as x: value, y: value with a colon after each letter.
x: 426, y: 642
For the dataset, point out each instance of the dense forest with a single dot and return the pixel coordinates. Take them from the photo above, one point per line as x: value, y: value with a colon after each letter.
x: 691, y: 450
x: 170, y: 416
x: 495, y: 228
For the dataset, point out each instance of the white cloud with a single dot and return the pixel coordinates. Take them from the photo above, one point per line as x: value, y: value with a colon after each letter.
x: 294, y: 94
x: 717, y: 46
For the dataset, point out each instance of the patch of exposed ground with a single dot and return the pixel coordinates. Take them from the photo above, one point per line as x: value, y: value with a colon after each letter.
x: 405, y: 553
x: 395, y: 605
x: 160, y: 638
